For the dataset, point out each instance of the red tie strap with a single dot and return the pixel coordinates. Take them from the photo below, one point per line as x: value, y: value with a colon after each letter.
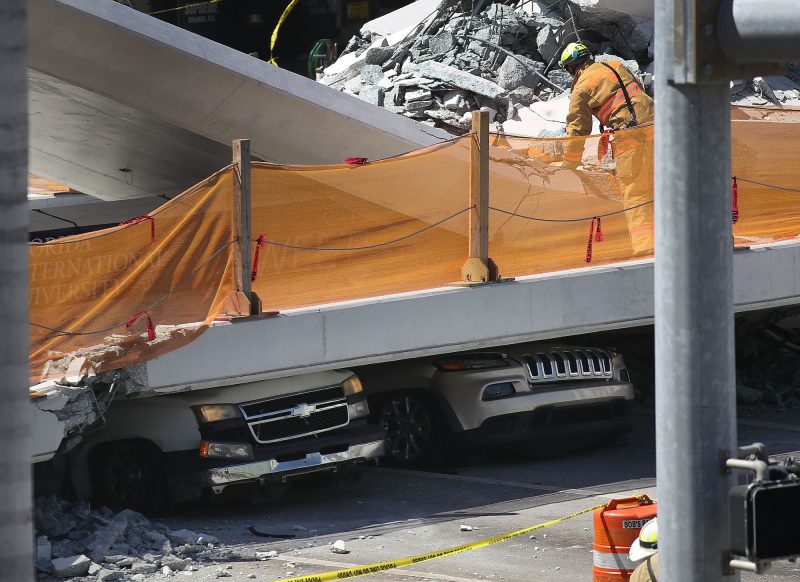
x: 151, y: 330
x: 595, y: 233
x: 254, y: 271
x: 734, y: 202
x: 142, y: 218
x: 355, y: 161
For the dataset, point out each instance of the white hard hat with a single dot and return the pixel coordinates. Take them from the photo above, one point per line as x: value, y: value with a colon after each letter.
x: 647, y: 543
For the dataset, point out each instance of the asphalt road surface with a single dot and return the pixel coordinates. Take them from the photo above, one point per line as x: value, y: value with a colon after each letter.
x: 391, y: 513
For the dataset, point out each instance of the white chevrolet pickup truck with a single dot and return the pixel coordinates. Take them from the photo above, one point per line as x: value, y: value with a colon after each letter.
x: 147, y: 452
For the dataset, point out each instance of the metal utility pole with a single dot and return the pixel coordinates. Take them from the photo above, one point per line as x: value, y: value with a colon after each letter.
x: 16, y: 535
x: 696, y: 56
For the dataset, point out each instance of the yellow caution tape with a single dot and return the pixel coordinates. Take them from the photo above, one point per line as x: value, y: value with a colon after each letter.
x: 383, y: 566
x: 274, y: 38
x: 184, y: 7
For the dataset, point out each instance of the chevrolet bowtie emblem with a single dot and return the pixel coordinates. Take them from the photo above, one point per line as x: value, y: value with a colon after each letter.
x: 303, y: 410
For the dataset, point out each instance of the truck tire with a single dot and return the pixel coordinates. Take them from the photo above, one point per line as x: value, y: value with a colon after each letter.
x: 129, y: 475
x: 416, y: 432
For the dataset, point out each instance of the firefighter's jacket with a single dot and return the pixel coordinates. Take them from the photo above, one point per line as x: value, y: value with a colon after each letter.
x: 596, y: 91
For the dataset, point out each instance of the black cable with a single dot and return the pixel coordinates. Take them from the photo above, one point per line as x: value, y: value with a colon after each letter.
x: 767, y: 185
x: 537, y: 219
x: 365, y: 247
x: 74, y: 224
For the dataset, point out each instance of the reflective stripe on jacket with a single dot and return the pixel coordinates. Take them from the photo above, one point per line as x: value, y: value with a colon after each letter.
x: 596, y: 91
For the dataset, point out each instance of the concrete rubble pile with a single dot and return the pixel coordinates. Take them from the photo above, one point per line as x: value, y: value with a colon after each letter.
x: 75, y: 541
x: 766, y: 360
x: 502, y: 57
x: 435, y: 61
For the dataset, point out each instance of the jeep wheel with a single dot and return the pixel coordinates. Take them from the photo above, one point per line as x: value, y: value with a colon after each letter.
x: 129, y: 475
x: 415, y: 431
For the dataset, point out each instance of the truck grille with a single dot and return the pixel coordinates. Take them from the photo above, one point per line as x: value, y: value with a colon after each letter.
x: 578, y: 364
x: 297, y: 415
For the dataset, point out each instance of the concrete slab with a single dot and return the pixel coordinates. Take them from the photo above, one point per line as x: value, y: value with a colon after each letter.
x: 450, y: 319
x: 112, y: 88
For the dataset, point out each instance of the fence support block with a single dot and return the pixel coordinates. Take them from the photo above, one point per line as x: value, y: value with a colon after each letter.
x: 241, y: 226
x: 479, y: 268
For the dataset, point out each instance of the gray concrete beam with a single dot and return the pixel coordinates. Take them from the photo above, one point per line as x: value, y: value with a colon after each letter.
x: 114, y: 88
x: 450, y: 319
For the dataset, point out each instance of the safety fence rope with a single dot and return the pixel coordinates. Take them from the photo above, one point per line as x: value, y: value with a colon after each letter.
x: 128, y: 322
x: 263, y: 241
x: 150, y: 216
x: 765, y: 185
x: 579, y: 219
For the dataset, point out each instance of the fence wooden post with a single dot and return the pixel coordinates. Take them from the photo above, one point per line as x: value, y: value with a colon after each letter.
x: 240, y: 220
x: 479, y: 268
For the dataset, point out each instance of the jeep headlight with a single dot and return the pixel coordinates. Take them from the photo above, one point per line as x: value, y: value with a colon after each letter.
x: 216, y: 412
x: 352, y: 385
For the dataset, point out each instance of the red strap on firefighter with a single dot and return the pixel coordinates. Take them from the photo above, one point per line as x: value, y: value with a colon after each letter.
x: 254, y: 271
x: 604, y: 143
x: 355, y: 161
x: 151, y: 330
x: 139, y: 219
x: 734, y: 202
x: 595, y: 233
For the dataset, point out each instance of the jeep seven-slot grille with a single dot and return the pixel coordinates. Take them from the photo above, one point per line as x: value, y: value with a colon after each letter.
x: 297, y: 415
x: 553, y: 366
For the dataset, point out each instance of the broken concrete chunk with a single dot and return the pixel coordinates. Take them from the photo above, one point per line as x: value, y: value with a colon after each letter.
x: 338, y: 547
x: 459, y: 79
x: 420, y: 95
x: 144, y: 568
x: 513, y: 74
x: 419, y: 105
x: 109, y: 575
x: 261, y: 556
x: 378, y: 55
x: 522, y: 96
x: 72, y: 566
x: 441, y: 42
x: 94, y: 569
x: 371, y: 74
x: 175, y: 563
x: 372, y: 94
x: 561, y: 78
x: 548, y: 43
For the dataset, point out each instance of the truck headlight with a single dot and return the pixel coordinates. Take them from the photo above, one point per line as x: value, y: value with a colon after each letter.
x: 352, y: 385
x: 358, y: 409
x: 215, y: 412
x: 211, y: 450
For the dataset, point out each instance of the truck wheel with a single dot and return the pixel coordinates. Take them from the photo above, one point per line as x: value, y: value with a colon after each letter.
x: 416, y: 435
x: 130, y: 475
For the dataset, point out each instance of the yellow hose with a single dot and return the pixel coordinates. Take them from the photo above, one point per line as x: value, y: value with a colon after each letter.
x: 274, y: 38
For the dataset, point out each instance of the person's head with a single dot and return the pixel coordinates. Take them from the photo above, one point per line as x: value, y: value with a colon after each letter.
x: 574, y: 56
x: 647, y: 543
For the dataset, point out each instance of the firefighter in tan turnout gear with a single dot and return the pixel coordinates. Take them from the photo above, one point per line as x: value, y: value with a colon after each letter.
x: 611, y: 93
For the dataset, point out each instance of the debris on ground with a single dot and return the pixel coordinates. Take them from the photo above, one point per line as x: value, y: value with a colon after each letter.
x: 338, y: 547
x: 436, y: 62
x: 75, y: 541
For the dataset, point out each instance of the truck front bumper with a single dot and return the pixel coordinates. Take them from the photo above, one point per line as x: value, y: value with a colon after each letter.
x: 312, y: 462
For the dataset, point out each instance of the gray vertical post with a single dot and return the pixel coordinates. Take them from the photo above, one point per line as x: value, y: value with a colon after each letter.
x: 240, y: 215
x: 695, y: 396
x: 16, y: 535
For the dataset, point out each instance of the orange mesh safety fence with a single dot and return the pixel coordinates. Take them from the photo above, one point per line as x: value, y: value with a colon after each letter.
x: 124, y: 295
x: 541, y: 214
x: 353, y: 231
x: 345, y: 232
